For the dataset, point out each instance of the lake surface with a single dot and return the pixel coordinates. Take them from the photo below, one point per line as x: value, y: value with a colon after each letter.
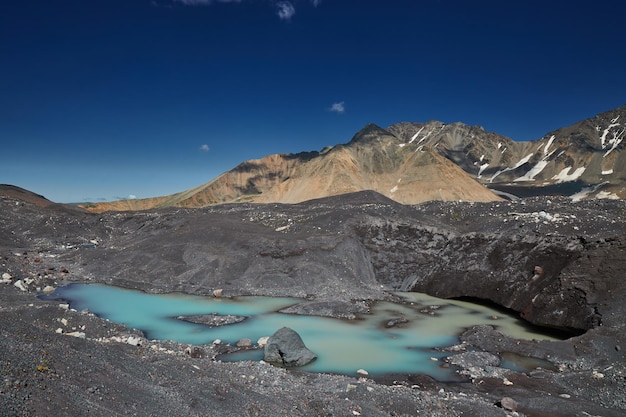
x: 343, y: 346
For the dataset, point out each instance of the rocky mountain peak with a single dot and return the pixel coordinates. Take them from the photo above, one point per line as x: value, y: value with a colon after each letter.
x: 371, y: 132
x: 604, y: 132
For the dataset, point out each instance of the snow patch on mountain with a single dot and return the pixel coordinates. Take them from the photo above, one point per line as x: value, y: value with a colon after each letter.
x: 519, y: 164
x: 534, y: 171
x: 585, y: 192
x: 482, y: 168
x: 416, y: 135
x: 547, y: 148
x: 563, y: 176
x: 607, y: 195
x: 617, y: 138
x: 614, y: 141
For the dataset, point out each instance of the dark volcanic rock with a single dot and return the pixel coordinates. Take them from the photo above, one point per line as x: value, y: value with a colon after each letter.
x: 556, y: 263
x: 286, y: 347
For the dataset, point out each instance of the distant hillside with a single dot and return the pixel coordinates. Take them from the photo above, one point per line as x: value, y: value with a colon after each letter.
x: 18, y: 193
x: 415, y: 162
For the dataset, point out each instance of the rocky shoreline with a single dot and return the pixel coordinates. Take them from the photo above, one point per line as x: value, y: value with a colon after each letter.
x: 557, y: 263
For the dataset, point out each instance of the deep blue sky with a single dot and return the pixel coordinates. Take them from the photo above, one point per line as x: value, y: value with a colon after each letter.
x: 104, y: 99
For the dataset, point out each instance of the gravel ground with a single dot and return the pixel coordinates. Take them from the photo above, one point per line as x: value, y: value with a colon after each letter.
x: 338, y: 255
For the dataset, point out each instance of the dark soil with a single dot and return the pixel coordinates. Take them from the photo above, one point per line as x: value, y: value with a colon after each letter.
x: 557, y: 263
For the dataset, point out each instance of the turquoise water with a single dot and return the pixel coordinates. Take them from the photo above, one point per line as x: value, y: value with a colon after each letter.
x: 342, y: 346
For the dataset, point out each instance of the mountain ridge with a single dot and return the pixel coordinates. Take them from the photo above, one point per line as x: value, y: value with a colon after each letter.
x: 370, y: 161
x: 415, y: 162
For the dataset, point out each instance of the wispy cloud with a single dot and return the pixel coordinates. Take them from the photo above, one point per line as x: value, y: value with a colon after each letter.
x: 285, y: 10
x: 205, y: 2
x: 339, y: 107
x: 204, y: 148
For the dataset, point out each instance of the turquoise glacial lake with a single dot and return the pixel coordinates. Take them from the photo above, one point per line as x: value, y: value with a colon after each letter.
x: 343, y: 346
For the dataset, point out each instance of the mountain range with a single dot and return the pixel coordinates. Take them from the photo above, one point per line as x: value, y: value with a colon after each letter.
x: 416, y: 162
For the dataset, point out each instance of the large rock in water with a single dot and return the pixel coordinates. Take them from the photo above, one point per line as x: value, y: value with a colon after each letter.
x: 286, y: 347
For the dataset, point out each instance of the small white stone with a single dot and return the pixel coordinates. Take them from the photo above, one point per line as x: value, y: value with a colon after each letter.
x: 80, y: 335
x: 48, y: 289
x: 362, y: 372
x: 565, y: 396
x: 134, y: 341
x: 505, y: 381
x: 63, y: 321
x: 64, y: 306
x: 59, y: 330
x: 19, y: 284
x: 217, y: 342
x: 262, y: 341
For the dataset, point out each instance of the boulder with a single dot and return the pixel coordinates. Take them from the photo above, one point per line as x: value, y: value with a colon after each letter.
x: 286, y: 347
x: 508, y: 403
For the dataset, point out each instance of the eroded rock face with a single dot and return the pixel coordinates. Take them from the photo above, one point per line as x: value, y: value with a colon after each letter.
x: 285, y: 347
x: 558, y: 273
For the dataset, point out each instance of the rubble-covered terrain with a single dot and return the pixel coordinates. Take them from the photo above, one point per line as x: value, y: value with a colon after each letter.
x: 557, y: 263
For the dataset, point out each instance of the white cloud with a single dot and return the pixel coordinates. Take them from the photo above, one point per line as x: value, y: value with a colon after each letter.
x: 204, y: 148
x: 339, y: 107
x: 132, y: 197
x: 205, y: 2
x: 285, y: 10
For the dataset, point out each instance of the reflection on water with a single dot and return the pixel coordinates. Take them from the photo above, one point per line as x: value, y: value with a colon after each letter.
x: 342, y: 346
